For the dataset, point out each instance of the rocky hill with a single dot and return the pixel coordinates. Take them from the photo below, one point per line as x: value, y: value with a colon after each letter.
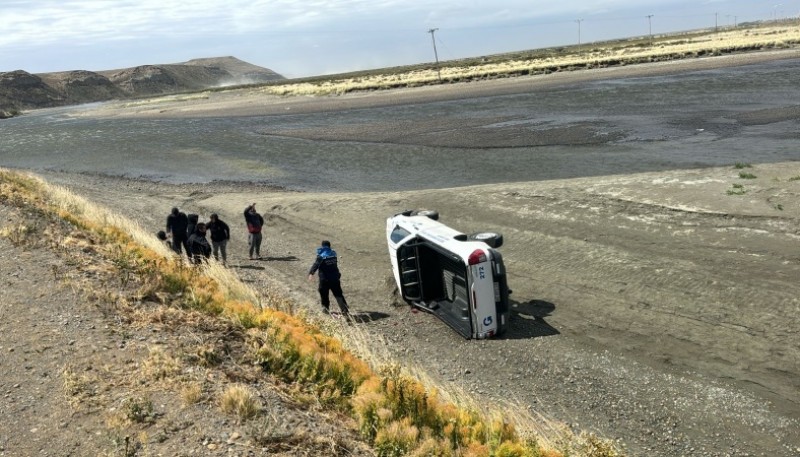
x: 20, y: 90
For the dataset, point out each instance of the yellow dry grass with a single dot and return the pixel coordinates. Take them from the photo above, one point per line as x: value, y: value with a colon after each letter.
x: 241, y: 402
x: 592, y: 55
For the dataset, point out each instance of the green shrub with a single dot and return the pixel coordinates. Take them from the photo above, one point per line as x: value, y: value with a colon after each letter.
x: 738, y: 189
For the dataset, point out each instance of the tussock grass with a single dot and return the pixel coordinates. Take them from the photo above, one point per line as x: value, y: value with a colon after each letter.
x: 191, y: 393
x: 21, y: 234
x: 160, y: 365
x: 745, y: 175
x: 241, y: 402
x: 77, y: 387
x: 398, y: 412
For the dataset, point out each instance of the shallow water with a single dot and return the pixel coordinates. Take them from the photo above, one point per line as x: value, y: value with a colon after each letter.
x: 706, y: 118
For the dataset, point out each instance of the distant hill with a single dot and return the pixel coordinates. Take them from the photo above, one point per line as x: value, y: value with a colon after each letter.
x: 20, y: 90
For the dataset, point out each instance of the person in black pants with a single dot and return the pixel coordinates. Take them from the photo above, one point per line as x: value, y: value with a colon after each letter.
x: 327, y: 265
x: 220, y: 234
x: 177, y: 224
x: 254, y: 223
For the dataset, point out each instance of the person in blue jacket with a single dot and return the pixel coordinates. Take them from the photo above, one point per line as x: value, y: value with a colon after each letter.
x: 327, y: 266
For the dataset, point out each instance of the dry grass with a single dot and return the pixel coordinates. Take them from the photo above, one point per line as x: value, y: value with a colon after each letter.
x: 77, y: 387
x: 399, y: 410
x: 192, y: 393
x: 160, y: 365
x: 21, y: 234
x: 591, y: 55
x: 241, y: 402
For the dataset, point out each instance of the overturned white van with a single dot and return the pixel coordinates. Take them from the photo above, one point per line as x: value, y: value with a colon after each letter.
x: 460, y: 278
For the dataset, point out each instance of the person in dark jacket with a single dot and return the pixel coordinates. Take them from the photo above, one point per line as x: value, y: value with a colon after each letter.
x: 327, y: 266
x: 220, y: 234
x: 254, y: 223
x: 197, y: 245
x: 190, y: 229
x: 177, y: 224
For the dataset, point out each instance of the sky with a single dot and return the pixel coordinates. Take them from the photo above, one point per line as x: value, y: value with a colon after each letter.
x: 317, y: 37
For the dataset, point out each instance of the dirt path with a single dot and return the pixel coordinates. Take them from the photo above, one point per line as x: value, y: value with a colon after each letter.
x: 653, y: 308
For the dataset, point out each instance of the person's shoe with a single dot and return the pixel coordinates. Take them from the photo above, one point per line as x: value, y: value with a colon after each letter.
x: 325, y: 311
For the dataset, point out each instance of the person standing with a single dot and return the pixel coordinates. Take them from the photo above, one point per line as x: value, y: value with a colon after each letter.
x: 327, y: 264
x: 177, y: 224
x: 190, y: 228
x: 197, y: 245
x: 254, y: 224
x: 220, y: 234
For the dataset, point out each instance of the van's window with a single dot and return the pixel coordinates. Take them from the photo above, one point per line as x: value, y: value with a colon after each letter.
x: 398, y: 234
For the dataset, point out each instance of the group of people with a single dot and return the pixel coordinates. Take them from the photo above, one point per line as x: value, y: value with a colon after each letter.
x: 186, y: 233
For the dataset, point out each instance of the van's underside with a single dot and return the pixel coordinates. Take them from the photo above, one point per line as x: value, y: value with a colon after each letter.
x: 437, y: 281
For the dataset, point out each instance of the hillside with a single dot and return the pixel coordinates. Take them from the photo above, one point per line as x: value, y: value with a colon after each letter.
x: 20, y: 90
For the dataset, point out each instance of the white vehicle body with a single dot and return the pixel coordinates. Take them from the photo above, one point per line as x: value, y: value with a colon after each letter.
x: 459, y: 278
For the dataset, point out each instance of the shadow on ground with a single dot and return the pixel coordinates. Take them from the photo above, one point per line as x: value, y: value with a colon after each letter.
x: 527, y: 320
x: 288, y: 258
x: 361, y: 318
x: 249, y: 267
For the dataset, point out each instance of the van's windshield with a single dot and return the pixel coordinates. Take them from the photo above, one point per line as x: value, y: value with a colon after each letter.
x: 398, y: 234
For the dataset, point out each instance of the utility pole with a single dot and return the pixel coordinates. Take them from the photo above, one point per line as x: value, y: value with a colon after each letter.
x: 715, y: 22
x: 650, y: 28
x: 775, y: 11
x: 435, y: 54
x: 579, y: 34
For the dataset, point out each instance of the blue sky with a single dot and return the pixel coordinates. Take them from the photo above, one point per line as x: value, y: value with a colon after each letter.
x: 313, y: 37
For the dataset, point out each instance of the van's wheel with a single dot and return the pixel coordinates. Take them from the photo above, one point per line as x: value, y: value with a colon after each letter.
x: 493, y: 239
x: 429, y: 213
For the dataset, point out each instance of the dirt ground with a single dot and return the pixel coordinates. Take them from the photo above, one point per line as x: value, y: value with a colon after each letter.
x: 657, y: 309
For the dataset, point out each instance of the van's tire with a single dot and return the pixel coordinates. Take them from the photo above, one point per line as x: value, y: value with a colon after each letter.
x: 429, y: 213
x: 493, y: 239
